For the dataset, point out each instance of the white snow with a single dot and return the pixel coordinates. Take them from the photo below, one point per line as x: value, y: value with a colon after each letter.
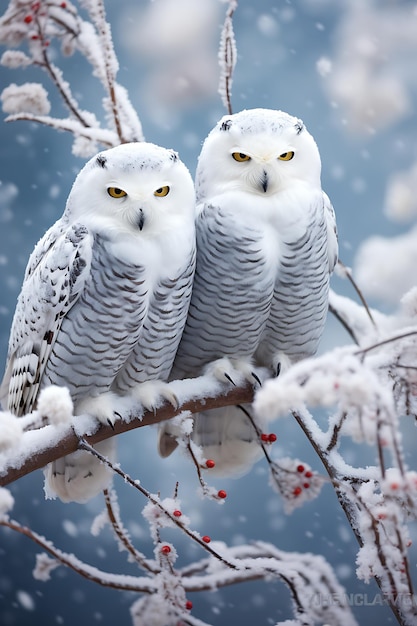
x: 14, y: 59
x: 25, y: 600
x: 6, y: 501
x: 10, y: 432
x: 27, y: 98
x: 55, y: 403
x: 385, y: 267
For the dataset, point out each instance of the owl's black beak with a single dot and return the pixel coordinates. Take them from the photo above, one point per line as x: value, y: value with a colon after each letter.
x: 264, y: 181
x: 141, y: 219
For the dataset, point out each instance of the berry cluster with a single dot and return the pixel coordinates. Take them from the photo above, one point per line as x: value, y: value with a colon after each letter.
x: 39, y: 9
x: 268, y: 438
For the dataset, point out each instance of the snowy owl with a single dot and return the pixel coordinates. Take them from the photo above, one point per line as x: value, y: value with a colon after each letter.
x: 105, y: 298
x: 266, y: 246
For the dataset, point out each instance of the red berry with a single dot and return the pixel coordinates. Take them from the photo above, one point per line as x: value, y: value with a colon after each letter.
x: 272, y: 437
x: 63, y: 5
x: 46, y: 43
x: 222, y: 494
x: 300, y: 468
x: 28, y: 19
x: 177, y: 513
x: 34, y: 37
x: 165, y: 549
x: 188, y: 605
x: 264, y: 437
x: 308, y: 474
x: 35, y: 6
x: 210, y: 463
x: 297, y: 491
x: 206, y: 539
x: 306, y: 485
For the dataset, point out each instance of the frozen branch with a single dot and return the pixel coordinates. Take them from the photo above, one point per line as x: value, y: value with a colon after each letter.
x: 39, y: 447
x: 37, y: 26
x: 310, y: 579
x: 227, y: 57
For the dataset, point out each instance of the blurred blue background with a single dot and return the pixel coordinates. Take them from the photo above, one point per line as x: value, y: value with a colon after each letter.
x: 314, y: 59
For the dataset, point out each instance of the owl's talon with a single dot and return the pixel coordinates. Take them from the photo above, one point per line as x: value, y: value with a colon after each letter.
x: 151, y: 393
x: 172, y: 399
x: 229, y: 378
x: 256, y: 377
x: 278, y: 370
x: 110, y: 423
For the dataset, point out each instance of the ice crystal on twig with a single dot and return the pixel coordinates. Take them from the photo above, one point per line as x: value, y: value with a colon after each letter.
x: 227, y: 57
x: 38, y: 27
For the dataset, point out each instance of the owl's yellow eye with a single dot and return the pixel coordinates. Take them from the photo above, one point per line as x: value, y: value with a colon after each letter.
x: 161, y: 192
x: 286, y: 156
x: 115, y: 192
x: 240, y: 157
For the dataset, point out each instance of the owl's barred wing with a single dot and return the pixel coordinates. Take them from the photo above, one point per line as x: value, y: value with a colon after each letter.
x: 332, y: 242
x: 54, y: 278
x: 231, y: 295
x: 153, y: 355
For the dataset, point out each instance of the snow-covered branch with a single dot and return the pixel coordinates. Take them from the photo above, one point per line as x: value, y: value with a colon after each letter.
x: 45, y: 442
x: 227, y: 57
x: 165, y: 589
x: 36, y: 27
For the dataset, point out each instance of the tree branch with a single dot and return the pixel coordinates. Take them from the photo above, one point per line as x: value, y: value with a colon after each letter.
x: 68, y: 442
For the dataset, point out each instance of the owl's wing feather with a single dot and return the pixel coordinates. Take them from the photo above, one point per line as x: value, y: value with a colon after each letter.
x: 332, y: 241
x: 54, y: 279
x: 229, y: 304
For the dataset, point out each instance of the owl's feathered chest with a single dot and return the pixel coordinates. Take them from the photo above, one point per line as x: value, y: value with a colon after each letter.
x: 254, y: 263
x: 254, y: 233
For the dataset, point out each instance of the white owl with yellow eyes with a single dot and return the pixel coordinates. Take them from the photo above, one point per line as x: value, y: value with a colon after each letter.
x: 105, y: 298
x: 266, y: 246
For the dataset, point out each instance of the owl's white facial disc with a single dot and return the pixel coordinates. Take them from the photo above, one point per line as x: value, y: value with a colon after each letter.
x: 134, y: 187
x: 259, y: 151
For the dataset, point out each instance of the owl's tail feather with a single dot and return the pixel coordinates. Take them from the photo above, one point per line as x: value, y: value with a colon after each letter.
x: 226, y: 436
x: 78, y: 477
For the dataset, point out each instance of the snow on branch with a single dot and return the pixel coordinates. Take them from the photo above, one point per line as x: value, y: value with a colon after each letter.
x: 165, y: 590
x: 37, y: 26
x: 365, y: 391
x: 227, y: 57
x: 44, y: 442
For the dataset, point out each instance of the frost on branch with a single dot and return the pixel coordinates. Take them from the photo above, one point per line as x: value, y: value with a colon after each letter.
x: 6, y: 502
x: 166, y: 590
x: 227, y: 57
x: 39, y: 27
x: 44, y: 567
x: 366, y: 391
x: 30, y: 97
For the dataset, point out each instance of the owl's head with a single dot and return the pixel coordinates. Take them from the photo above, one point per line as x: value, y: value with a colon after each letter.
x: 259, y: 151
x: 134, y: 187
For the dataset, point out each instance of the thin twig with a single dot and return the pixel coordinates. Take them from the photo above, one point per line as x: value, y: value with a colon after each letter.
x: 227, y: 57
x: 343, y: 322
x: 123, y: 537
x: 103, y: 29
x: 348, y: 274
x: 384, y: 342
x: 83, y: 445
x: 115, y: 581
